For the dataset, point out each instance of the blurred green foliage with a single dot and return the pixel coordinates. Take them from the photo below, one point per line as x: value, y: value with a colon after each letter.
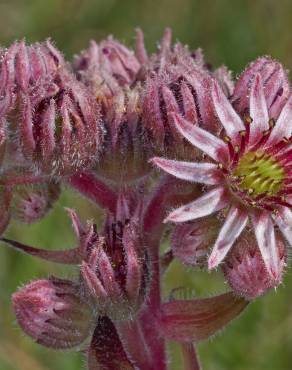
x: 231, y: 33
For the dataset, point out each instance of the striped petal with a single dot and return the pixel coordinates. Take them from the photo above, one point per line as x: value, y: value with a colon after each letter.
x: 284, y: 221
x: 208, y: 143
x: 283, y: 127
x: 258, y: 110
x: 235, y: 222
x: 204, y: 173
x: 265, y: 235
x: 209, y: 203
x: 230, y: 120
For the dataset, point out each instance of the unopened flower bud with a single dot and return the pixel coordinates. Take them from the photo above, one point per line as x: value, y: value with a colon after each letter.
x: 224, y: 77
x: 191, y: 242
x: 178, y: 82
x: 115, y: 273
x: 27, y: 69
x: 109, y: 70
x: 53, y: 313
x: 61, y: 133
x: 275, y: 82
x: 126, y: 148
x: 245, y: 270
x: 32, y: 202
x: 109, y: 56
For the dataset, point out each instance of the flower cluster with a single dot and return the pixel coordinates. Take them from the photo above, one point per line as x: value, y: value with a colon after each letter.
x: 106, y: 125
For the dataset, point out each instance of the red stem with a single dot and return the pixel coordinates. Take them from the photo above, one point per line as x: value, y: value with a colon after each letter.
x: 169, y: 193
x: 147, y: 316
x: 94, y: 189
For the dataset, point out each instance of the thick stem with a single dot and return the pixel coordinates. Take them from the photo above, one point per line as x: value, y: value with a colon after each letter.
x: 94, y: 189
x: 148, y: 315
x: 169, y: 193
x: 190, y: 357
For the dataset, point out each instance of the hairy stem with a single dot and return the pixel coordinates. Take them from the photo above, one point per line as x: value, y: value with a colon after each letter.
x: 94, y: 189
x: 149, y: 314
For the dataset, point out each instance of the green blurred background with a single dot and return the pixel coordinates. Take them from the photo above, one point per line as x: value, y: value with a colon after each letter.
x: 230, y: 32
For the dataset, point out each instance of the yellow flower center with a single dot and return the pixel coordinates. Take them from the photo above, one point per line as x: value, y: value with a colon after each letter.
x: 259, y: 173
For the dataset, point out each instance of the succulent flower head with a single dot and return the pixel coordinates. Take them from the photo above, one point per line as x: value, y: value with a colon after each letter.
x: 190, y: 242
x: 115, y: 269
x: 27, y: 69
x: 177, y: 82
x: 32, y: 202
x: 274, y: 79
x: 24, y: 70
x: 245, y: 270
x: 53, y: 313
x: 49, y: 114
x: 111, y: 72
x: 249, y: 173
x: 109, y: 60
x: 61, y: 133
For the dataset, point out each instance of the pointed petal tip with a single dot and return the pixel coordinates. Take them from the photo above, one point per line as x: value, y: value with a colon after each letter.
x: 155, y: 161
x: 213, y: 262
x: 168, y: 219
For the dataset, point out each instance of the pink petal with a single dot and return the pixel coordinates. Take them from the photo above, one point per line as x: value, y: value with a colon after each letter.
x: 283, y: 127
x: 208, y: 143
x: 205, y: 173
x: 235, y: 222
x: 227, y: 115
x: 284, y: 221
x: 258, y: 110
x: 209, y: 203
x: 265, y: 235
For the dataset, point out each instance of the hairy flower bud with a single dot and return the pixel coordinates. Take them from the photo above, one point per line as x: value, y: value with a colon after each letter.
x: 32, y: 202
x: 245, y: 270
x: 111, y: 72
x: 108, y: 59
x: 178, y: 82
x: 27, y: 69
x: 275, y: 82
x: 61, y: 133
x: 52, y: 118
x: 191, y: 242
x: 115, y: 273
x: 53, y: 313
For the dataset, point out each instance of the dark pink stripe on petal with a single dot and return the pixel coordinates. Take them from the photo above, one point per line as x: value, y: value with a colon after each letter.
x: 209, y: 203
x: 227, y: 115
x: 258, y: 110
x: 205, y: 173
x: 208, y: 143
x: 265, y: 235
x: 234, y: 224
